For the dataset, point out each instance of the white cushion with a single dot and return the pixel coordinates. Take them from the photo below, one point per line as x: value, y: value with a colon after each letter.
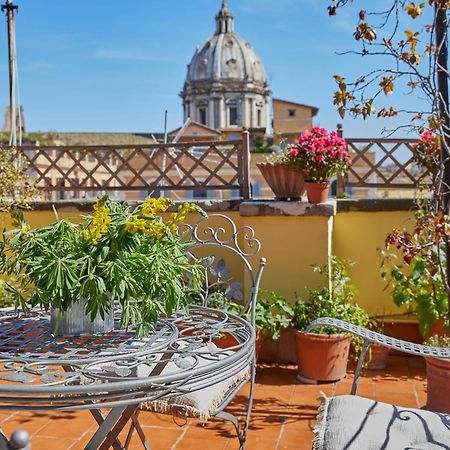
x: 201, y: 403
x: 356, y: 423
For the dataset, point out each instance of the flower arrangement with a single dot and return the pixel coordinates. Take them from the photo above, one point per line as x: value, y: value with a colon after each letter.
x: 318, y: 154
x: 134, y: 258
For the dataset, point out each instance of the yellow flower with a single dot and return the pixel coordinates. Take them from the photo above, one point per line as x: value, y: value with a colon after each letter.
x: 99, y: 223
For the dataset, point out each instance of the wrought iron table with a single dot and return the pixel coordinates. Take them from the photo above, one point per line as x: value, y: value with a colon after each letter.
x: 111, y: 374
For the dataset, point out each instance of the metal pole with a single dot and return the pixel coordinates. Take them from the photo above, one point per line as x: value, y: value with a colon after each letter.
x: 165, y: 126
x: 442, y: 84
x: 9, y: 7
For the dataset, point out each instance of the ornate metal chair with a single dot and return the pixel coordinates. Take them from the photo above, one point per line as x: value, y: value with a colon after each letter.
x: 219, y: 242
x: 353, y: 422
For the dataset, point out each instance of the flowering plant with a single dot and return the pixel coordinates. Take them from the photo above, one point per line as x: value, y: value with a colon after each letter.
x: 427, y: 151
x: 318, y: 154
x: 134, y: 258
x: 417, y: 279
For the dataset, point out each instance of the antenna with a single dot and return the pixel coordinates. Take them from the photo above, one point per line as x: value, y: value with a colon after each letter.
x: 9, y: 7
x: 165, y: 126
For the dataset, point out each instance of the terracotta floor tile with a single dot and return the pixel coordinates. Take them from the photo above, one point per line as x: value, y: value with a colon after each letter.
x: 283, y: 417
x: 51, y: 443
x: 298, y: 439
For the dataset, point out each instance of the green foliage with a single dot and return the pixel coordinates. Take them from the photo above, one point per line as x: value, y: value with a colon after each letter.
x: 6, y: 296
x: 335, y: 301
x: 262, y: 148
x: 132, y: 258
x: 418, y: 285
x: 272, y: 312
x: 15, y: 188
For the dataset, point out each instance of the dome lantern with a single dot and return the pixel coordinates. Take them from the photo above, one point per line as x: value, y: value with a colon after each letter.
x: 224, y: 20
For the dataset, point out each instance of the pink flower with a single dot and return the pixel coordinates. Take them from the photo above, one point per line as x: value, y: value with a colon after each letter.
x: 293, y: 152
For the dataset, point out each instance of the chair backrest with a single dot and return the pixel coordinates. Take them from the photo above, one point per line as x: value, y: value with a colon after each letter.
x: 225, y: 249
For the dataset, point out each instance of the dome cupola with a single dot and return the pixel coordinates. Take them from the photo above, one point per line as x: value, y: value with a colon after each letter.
x: 226, y: 85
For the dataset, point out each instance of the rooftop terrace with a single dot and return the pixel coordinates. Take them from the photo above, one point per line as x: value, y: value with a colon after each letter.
x: 284, y: 413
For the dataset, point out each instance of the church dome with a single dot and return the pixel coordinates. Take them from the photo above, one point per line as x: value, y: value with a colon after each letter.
x: 226, y: 85
x: 226, y: 56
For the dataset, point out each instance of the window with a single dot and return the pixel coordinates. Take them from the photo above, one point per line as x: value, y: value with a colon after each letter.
x: 258, y: 117
x: 233, y: 116
x: 200, y: 193
x: 202, y: 115
x: 291, y: 112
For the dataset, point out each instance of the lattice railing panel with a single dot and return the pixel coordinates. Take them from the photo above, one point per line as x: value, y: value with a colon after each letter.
x: 218, y: 165
x: 384, y: 163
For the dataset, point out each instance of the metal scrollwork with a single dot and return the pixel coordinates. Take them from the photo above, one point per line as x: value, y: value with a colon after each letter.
x: 221, y: 230
x: 69, y: 373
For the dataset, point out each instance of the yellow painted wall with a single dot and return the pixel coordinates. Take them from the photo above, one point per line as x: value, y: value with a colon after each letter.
x: 357, y: 235
x: 292, y: 244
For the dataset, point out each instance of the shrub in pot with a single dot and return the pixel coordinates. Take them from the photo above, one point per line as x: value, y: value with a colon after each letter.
x: 134, y: 258
x: 322, y: 356
x: 417, y: 276
x: 438, y: 377
x: 272, y: 314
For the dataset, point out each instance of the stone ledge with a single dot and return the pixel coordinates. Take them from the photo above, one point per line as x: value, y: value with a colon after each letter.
x: 375, y: 204
x: 276, y: 208
x: 86, y: 205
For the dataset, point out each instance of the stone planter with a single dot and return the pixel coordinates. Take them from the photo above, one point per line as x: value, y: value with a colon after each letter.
x: 286, y: 184
x: 75, y: 321
x: 321, y: 357
x: 438, y: 382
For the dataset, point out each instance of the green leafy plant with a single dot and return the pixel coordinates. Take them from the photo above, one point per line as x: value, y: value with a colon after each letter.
x: 16, y: 190
x: 6, y: 296
x: 272, y: 312
x: 335, y: 301
x: 134, y: 258
x: 413, y: 264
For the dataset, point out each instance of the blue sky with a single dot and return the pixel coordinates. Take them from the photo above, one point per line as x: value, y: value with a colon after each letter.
x: 114, y: 65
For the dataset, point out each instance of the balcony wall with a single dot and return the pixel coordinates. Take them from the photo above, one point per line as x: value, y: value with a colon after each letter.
x: 295, y: 235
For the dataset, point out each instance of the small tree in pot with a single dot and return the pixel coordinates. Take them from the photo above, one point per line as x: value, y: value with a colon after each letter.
x: 323, y: 356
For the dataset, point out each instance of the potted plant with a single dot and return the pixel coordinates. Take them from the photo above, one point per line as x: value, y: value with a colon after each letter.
x: 78, y: 271
x: 377, y: 355
x: 419, y: 282
x: 272, y: 314
x: 438, y: 369
x: 319, y: 155
x: 286, y: 182
x: 322, y: 356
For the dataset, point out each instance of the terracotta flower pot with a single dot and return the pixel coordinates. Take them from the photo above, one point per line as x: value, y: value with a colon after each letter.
x: 377, y: 357
x: 438, y: 328
x: 317, y: 191
x: 286, y: 184
x: 438, y: 382
x: 321, y: 357
x: 258, y: 344
x: 227, y: 341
